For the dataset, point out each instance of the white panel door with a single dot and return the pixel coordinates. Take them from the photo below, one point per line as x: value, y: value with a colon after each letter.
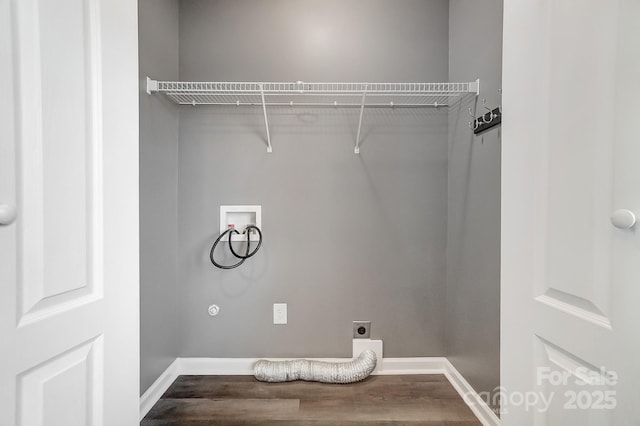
x: 68, y: 213
x: 571, y: 157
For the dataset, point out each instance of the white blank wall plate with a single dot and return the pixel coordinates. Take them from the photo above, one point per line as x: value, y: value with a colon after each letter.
x: 279, y: 313
x: 360, y: 345
x: 240, y: 217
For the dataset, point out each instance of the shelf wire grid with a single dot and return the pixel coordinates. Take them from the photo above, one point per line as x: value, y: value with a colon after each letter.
x: 315, y: 94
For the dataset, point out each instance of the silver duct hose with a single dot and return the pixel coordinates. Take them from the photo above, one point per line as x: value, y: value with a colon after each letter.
x: 316, y: 371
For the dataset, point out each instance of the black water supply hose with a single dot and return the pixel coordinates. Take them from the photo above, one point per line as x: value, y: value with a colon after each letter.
x: 247, y: 230
x: 230, y: 231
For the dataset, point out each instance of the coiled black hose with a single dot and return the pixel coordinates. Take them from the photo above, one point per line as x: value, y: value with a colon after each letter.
x: 247, y: 230
x: 247, y: 254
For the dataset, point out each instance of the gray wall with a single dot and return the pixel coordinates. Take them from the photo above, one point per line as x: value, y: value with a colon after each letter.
x: 158, y: 44
x: 346, y: 237
x: 473, y: 251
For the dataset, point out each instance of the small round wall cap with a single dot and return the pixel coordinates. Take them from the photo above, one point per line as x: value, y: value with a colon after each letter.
x: 214, y: 310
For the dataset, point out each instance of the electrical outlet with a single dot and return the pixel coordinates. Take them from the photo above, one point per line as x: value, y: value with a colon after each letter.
x: 362, y: 329
x: 279, y: 313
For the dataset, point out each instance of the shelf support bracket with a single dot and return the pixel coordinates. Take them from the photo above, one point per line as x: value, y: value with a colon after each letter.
x: 474, y: 86
x: 266, y: 121
x: 364, y: 96
x: 152, y: 86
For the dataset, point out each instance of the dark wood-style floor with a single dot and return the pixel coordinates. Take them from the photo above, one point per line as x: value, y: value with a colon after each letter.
x: 378, y: 400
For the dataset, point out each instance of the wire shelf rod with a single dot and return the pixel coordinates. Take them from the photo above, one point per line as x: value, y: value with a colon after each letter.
x: 314, y: 94
x: 319, y: 105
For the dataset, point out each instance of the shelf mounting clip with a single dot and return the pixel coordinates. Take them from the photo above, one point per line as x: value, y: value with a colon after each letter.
x: 152, y: 86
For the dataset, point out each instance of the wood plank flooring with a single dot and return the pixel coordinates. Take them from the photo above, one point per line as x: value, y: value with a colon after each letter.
x: 378, y: 400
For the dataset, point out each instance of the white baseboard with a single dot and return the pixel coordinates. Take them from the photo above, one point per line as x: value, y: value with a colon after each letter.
x: 244, y: 366
x: 217, y: 366
x: 479, y: 407
x: 418, y: 365
x: 155, y: 391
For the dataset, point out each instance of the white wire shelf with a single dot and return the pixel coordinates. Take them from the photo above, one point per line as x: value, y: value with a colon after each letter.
x: 304, y: 94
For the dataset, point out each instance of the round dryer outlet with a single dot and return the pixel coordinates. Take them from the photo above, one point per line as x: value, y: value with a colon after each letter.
x: 362, y: 329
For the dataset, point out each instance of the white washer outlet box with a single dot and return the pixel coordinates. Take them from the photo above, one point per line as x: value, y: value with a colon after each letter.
x: 279, y: 313
x: 239, y: 217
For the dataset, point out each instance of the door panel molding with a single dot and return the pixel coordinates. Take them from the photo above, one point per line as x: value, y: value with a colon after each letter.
x: 576, y: 306
x: 65, y: 389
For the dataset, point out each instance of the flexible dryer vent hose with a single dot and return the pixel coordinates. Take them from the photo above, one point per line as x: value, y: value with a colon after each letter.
x: 316, y: 371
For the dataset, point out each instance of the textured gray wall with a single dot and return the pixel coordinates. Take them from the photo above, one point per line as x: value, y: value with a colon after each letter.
x: 158, y: 44
x: 347, y: 237
x: 473, y: 251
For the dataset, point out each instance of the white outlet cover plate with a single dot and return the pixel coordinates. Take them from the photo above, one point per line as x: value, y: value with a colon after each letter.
x: 279, y: 313
x: 240, y: 217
